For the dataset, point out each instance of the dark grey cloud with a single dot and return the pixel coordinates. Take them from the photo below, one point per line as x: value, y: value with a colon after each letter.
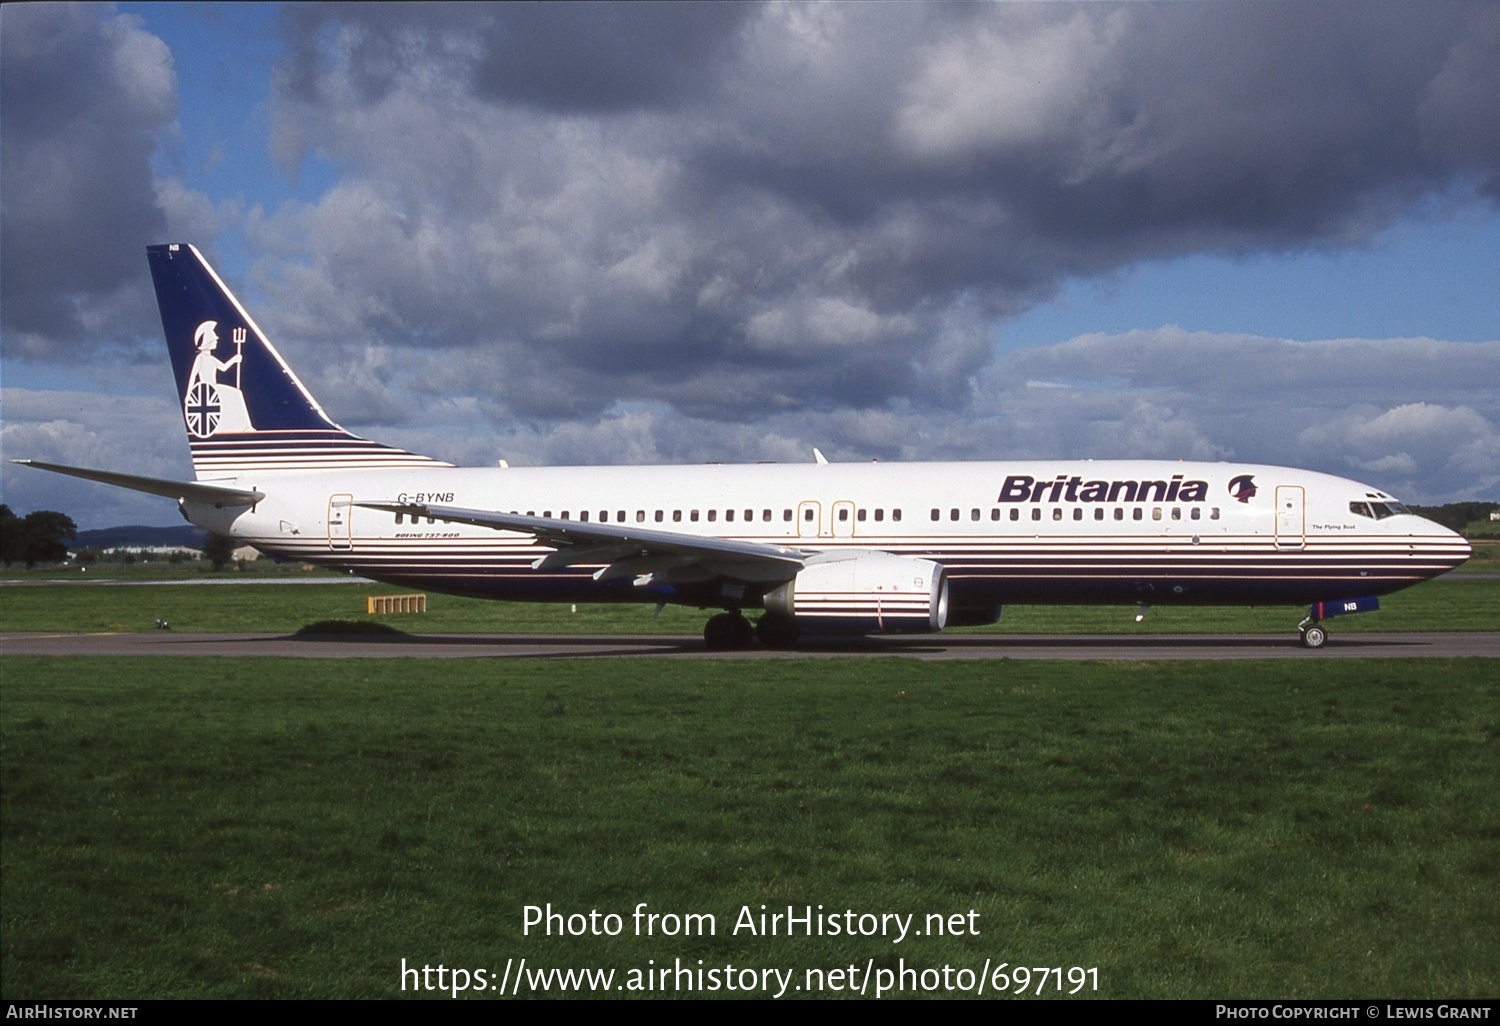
x: 566, y: 58
x: 831, y: 205
x: 85, y: 99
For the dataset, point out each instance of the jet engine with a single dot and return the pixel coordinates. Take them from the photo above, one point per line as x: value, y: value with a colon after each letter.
x: 864, y: 593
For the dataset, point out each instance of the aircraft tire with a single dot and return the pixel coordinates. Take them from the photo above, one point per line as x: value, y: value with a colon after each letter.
x: 777, y: 631
x: 727, y: 632
x: 1314, y: 635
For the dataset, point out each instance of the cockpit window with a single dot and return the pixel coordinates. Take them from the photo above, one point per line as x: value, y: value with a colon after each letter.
x: 1377, y: 510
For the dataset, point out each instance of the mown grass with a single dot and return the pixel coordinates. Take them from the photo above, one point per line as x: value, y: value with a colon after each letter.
x: 1448, y: 604
x: 223, y: 828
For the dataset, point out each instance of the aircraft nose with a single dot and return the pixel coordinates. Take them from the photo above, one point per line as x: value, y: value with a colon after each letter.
x: 1453, y: 547
x: 1468, y: 549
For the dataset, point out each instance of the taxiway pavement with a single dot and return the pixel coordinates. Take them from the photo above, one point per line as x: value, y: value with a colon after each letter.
x: 950, y: 646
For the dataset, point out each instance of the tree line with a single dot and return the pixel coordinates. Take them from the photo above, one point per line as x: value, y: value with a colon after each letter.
x: 43, y: 537
x: 40, y: 537
x: 1457, y: 515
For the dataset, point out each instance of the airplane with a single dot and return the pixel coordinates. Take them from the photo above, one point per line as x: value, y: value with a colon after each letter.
x: 819, y: 548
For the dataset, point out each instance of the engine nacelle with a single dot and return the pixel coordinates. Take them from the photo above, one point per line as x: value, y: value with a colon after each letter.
x: 865, y: 593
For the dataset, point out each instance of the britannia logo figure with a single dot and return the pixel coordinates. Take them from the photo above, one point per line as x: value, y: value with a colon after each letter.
x: 211, y: 405
x: 1243, y: 487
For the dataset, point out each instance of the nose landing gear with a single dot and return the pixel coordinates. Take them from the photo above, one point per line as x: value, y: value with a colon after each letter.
x: 1313, y: 633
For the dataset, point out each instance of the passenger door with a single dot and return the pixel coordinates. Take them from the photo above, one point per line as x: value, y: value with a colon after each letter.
x: 340, y: 527
x: 1290, y: 517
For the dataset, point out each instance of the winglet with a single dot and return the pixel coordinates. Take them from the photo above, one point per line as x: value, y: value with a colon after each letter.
x: 818, y: 455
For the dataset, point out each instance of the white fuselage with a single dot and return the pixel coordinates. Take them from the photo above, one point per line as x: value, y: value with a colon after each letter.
x: 1032, y: 531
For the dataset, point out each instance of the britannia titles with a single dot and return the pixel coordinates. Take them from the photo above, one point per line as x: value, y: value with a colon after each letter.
x: 1025, y: 488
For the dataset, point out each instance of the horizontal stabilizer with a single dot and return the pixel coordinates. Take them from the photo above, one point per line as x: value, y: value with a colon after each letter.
x: 196, y: 491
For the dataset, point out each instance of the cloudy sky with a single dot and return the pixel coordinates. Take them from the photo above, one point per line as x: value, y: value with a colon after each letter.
x: 567, y: 233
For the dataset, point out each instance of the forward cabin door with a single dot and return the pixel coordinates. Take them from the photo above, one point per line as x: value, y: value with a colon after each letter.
x: 1291, y: 517
x: 340, y: 535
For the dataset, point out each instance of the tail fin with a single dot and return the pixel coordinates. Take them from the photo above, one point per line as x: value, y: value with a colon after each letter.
x: 242, y: 406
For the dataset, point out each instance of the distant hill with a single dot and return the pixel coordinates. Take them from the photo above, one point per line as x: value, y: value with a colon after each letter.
x: 1458, y: 515
x: 138, y: 536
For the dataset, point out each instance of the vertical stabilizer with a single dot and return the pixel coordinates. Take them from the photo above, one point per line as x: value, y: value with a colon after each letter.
x: 242, y: 406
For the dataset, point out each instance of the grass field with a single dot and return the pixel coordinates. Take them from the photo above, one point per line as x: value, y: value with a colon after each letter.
x: 222, y: 828
x: 1455, y: 602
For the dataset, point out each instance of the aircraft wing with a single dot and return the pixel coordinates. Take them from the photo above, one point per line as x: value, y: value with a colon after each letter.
x: 196, y: 491
x: 649, y: 556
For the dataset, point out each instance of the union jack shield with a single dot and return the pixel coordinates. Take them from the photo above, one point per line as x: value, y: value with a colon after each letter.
x: 202, y: 410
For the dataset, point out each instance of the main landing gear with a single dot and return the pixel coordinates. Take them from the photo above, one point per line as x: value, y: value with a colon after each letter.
x: 727, y: 632
x: 731, y: 632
